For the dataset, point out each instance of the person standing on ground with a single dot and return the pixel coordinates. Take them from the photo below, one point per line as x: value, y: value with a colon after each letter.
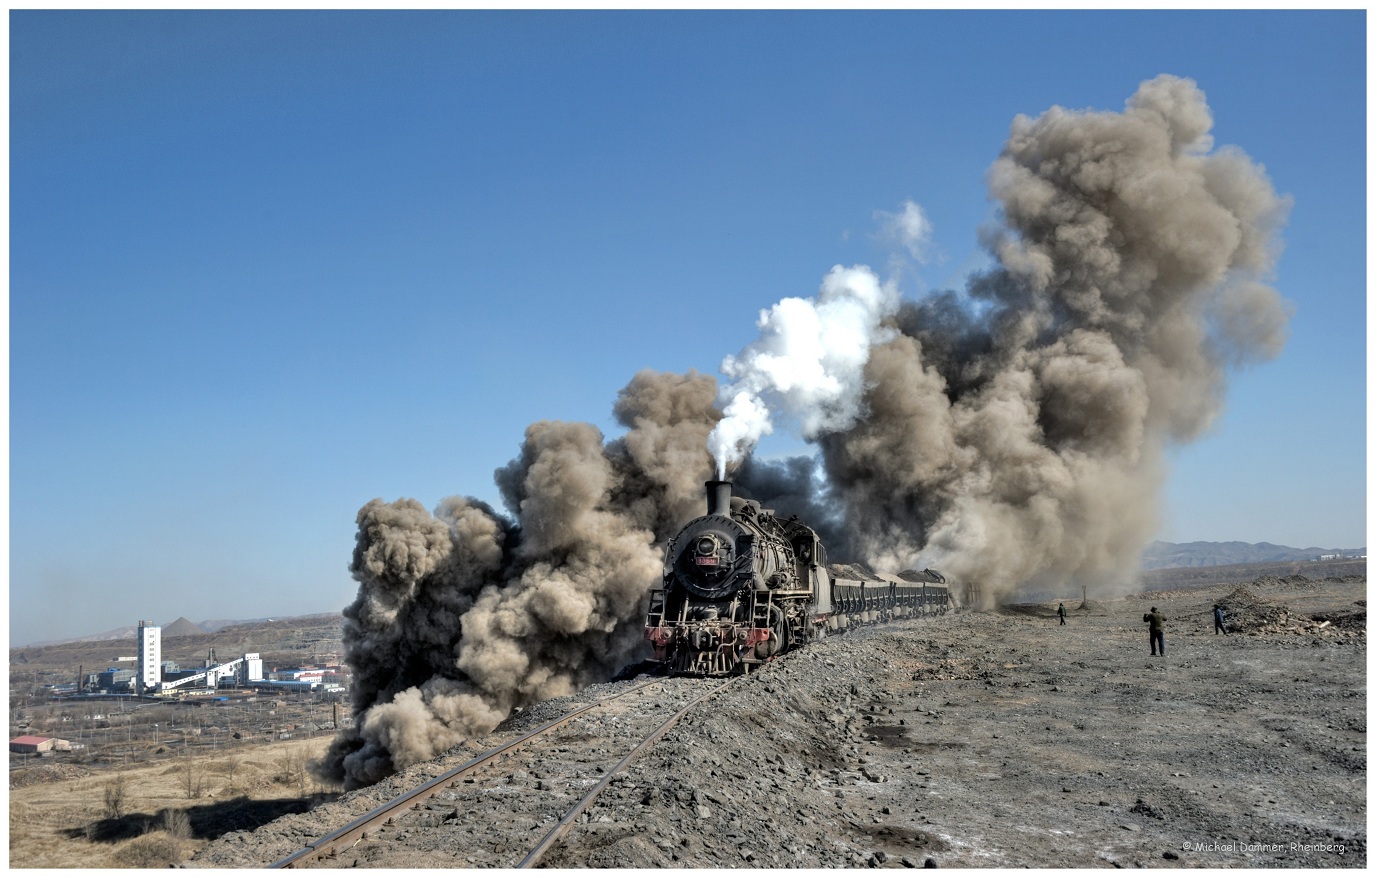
x: 1156, y: 630
x: 1218, y: 620
x: 1060, y: 611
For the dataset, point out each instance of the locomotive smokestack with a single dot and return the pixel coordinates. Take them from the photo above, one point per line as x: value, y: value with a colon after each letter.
x: 718, y: 498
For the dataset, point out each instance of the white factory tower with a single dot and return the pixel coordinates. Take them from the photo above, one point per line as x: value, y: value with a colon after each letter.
x: 150, y: 657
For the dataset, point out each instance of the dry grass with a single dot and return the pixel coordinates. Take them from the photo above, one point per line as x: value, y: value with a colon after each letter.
x: 167, y: 810
x: 156, y: 850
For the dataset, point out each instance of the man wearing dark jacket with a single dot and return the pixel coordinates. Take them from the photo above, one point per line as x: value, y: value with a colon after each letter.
x: 1218, y: 620
x: 1156, y: 629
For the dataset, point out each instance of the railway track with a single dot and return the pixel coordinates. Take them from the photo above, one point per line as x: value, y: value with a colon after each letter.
x: 506, y: 807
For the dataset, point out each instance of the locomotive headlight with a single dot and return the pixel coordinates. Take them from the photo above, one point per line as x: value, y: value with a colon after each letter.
x: 704, y: 554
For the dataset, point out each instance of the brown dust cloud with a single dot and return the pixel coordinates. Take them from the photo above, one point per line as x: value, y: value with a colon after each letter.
x: 1011, y: 433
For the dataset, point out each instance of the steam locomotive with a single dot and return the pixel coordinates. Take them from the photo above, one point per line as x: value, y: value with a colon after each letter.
x: 742, y: 586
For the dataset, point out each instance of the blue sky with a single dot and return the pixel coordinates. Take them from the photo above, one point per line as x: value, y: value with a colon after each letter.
x: 266, y: 266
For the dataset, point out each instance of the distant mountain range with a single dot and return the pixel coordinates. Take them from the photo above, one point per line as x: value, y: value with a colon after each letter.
x: 1159, y: 555
x: 1156, y: 556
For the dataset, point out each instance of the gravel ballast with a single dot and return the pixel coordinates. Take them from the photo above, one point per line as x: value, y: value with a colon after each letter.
x: 991, y: 739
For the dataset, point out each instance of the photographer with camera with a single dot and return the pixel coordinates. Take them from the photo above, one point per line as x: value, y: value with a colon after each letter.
x: 1156, y: 631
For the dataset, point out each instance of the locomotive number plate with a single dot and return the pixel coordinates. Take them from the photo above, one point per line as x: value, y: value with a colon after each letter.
x: 708, y: 561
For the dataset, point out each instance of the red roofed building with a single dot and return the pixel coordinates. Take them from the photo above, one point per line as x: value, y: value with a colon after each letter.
x: 32, y: 744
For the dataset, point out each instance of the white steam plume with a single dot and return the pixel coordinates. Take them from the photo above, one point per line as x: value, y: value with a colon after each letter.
x: 809, y: 361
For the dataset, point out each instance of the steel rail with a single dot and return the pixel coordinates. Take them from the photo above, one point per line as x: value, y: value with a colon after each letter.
x: 563, y: 825
x: 358, y: 829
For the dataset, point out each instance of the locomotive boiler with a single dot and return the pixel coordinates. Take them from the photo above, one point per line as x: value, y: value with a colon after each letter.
x: 742, y: 586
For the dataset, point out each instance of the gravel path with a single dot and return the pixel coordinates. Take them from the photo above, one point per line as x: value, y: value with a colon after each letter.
x: 995, y: 739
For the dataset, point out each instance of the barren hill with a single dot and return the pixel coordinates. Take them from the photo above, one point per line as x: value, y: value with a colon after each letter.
x: 1207, y: 554
x: 183, y: 627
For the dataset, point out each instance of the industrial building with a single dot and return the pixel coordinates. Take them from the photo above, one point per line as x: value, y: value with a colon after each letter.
x: 150, y: 656
x: 37, y: 744
x: 115, y: 680
x: 331, y: 677
x: 156, y: 676
x: 246, y: 669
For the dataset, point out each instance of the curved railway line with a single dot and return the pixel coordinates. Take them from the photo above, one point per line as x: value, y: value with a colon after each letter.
x: 542, y: 790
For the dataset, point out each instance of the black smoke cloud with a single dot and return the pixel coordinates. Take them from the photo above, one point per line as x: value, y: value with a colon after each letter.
x: 1011, y: 432
x: 466, y: 614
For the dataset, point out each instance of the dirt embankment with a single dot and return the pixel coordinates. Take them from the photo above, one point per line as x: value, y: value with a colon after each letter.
x: 1002, y: 739
x: 1009, y: 740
